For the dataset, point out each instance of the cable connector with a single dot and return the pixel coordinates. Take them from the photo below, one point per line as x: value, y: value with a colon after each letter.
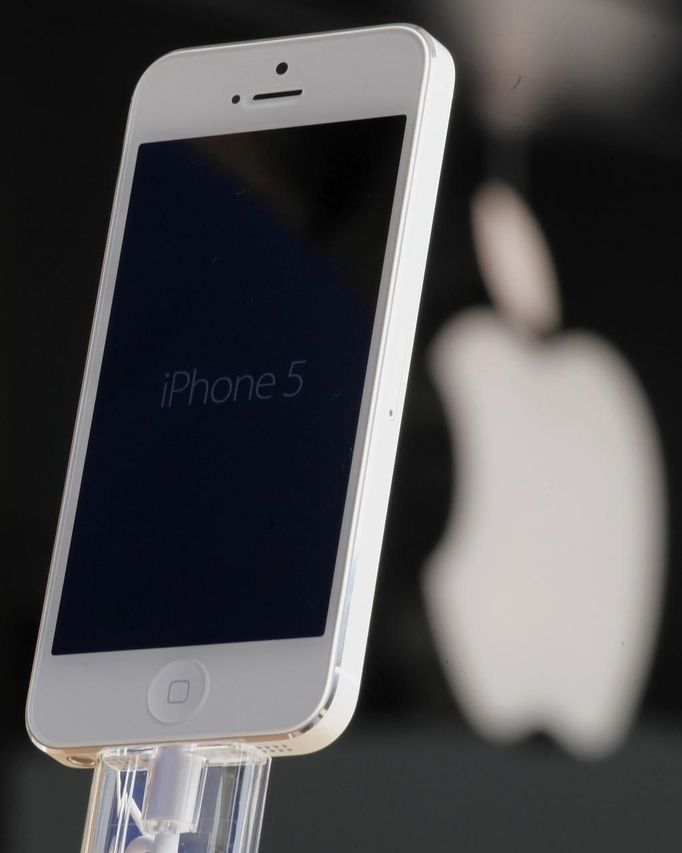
x: 172, y: 799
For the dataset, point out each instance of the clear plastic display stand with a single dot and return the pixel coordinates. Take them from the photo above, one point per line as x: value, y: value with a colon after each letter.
x: 183, y: 798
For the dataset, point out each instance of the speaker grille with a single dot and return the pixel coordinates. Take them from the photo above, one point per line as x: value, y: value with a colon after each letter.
x: 269, y: 96
x: 275, y: 748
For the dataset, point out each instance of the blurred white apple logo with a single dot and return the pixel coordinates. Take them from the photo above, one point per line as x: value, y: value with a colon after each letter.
x: 544, y: 594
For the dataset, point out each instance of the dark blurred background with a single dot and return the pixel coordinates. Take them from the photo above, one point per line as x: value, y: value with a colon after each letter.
x: 575, y: 103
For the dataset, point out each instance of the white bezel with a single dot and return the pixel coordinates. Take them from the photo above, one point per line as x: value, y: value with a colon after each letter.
x: 271, y: 691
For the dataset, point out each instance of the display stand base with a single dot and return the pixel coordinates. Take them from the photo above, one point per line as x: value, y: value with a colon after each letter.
x: 182, y: 798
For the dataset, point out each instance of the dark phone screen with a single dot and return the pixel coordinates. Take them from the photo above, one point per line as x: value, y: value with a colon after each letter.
x: 218, y: 460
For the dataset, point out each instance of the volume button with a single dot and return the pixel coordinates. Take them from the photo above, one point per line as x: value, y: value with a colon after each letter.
x: 396, y: 378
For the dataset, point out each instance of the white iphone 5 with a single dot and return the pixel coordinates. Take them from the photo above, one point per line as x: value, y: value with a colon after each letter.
x: 221, y: 524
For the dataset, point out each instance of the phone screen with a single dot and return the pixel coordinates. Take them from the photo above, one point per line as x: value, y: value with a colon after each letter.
x: 225, y: 419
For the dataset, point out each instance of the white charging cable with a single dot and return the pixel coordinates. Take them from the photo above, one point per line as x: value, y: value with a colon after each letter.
x: 172, y: 800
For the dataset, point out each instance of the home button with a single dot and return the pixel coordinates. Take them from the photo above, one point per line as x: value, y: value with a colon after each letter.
x: 177, y: 691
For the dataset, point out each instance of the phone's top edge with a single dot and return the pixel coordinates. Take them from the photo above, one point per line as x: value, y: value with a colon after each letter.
x: 426, y: 41
x: 409, y: 29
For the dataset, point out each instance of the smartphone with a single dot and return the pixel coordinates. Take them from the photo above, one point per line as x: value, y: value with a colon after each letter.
x: 222, y: 518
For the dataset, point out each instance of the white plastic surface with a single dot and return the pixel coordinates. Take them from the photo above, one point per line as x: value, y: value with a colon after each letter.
x: 173, y: 796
